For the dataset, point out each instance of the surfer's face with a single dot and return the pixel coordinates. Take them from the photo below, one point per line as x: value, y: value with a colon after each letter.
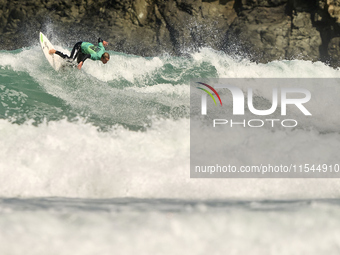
x: 104, y: 60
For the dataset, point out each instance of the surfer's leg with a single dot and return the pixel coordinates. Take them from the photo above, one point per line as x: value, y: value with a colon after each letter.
x: 75, y: 51
x: 61, y: 54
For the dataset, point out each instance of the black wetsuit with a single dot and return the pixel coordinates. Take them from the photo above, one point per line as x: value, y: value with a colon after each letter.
x: 77, y: 52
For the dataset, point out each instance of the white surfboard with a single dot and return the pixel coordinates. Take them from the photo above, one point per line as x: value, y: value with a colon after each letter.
x: 55, y: 61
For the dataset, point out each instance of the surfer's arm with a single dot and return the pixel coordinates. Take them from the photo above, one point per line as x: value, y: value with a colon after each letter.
x: 86, y: 57
x: 80, y: 65
x: 82, y: 61
x: 104, y: 43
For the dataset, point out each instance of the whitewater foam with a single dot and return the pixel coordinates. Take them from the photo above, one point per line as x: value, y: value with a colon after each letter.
x: 73, y: 159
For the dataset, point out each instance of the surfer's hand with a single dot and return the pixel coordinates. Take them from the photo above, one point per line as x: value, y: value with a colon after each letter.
x: 52, y: 51
x: 80, y: 65
x: 105, y: 43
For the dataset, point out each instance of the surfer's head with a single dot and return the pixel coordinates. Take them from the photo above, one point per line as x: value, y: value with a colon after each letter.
x: 105, y: 57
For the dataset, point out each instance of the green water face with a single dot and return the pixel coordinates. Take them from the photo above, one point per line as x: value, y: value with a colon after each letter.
x: 23, y: 99
x: 140, y: 89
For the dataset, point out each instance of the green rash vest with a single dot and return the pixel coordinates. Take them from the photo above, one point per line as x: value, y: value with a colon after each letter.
x: 96, y: 52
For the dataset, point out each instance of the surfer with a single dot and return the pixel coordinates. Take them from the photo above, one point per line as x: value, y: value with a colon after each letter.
x: 84, y: 50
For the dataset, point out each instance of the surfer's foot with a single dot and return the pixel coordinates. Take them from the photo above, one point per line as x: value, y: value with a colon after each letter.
x: 52, y: 51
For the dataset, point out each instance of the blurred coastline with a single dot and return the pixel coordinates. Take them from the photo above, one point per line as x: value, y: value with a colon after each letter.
x: 263, y: 30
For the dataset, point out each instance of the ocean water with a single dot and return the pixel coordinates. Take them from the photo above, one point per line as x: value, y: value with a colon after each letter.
x: 97, y: 162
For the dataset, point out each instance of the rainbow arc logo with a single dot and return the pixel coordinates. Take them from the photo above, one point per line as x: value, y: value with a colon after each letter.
x: 209, y: 93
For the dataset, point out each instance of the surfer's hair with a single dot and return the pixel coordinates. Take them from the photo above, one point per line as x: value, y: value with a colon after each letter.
x: 106, y: 55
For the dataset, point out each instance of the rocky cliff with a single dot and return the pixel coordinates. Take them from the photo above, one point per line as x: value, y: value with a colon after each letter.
x: 265, y: 30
